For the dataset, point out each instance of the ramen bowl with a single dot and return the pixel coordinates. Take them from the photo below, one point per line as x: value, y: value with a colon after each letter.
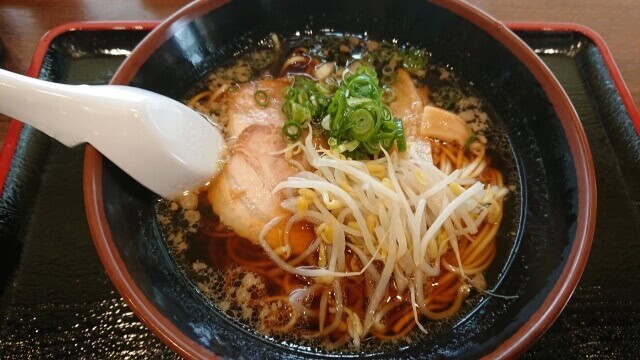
x: 551, y: 212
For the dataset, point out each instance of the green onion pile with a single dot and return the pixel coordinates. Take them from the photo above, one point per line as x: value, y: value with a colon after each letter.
x: 359, y: 123
x: 355, y: 117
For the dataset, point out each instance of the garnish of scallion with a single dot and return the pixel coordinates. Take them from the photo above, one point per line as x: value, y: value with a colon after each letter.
x: 352, y: 112
x: 291, y: 130
x: 261, y: 97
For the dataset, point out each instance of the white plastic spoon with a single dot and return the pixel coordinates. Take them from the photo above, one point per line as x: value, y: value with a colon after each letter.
x: 163, y: 144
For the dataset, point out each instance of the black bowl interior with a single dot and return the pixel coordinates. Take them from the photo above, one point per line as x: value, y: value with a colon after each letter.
x: 534, y: 243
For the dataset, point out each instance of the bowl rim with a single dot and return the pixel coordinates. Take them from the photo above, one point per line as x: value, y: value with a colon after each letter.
x: 516, y: 344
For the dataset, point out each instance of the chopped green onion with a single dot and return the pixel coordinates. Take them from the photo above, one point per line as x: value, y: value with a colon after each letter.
x: 297, y: 112
x: 363, y: 124
x: 261, y: 97
x: 325, y: 89
x: 332, y: 82
x: 326, y: 123
x: 291, y: 130
x: 361, y: 85
x: 389, y: 95
x: 348, y: 146
x: 354, y: 101
x: 336, y: 112
x: 400, y: 139
x: 388, y: 79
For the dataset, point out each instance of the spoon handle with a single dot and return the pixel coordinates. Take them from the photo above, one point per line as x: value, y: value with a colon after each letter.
x: 43, y: 105
x: 67, y: 113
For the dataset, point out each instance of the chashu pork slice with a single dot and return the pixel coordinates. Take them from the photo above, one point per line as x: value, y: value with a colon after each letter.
x: 243, y: 110
x: 241, y: 195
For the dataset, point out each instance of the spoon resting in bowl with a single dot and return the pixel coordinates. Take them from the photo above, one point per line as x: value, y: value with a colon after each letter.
x: 163, y: 144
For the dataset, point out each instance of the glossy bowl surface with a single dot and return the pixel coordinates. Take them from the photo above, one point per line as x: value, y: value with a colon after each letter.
x: 552, y: 210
